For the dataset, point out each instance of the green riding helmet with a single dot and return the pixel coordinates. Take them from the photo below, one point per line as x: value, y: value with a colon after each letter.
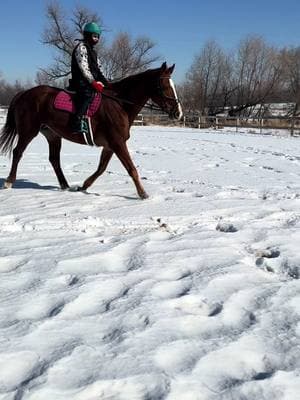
x: 92, y: 27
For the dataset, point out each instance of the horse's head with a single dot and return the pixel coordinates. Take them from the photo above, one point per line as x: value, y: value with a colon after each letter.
x: 164, y: 92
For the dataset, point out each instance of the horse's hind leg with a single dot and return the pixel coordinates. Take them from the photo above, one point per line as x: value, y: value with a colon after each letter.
x: 104, y: 160
x: 23, y: 141
x: 54, y: 156
x: 123, y: 154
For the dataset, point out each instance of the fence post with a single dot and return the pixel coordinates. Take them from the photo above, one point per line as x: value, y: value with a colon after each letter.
x: 184, y: 117
x: 261, y: 125
x: 292, y: 126
x: 237, y: 124
x: 199, y: 123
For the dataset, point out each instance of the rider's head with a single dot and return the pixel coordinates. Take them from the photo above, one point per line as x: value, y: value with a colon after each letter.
x: 91, y: 33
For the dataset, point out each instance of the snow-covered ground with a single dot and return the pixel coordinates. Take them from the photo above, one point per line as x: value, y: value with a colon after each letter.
x: 192, y: 294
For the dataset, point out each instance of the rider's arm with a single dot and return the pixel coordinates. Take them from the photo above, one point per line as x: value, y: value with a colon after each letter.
x: 101, y: 77
x: 81, y: 55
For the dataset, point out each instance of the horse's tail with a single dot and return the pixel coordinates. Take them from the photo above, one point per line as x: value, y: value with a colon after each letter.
x: 9, y: 131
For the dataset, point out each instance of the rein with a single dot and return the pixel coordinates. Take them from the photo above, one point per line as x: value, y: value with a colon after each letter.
x: 120, y: 100
x: 150, y: 106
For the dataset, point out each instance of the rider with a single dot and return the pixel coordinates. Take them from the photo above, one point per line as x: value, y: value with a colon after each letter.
x: 87, y: 78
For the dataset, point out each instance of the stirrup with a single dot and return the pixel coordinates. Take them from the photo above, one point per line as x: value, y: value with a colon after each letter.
x: 84, y: 127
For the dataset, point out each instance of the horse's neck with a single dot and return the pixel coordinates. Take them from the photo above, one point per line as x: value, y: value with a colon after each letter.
x: 136, y: 97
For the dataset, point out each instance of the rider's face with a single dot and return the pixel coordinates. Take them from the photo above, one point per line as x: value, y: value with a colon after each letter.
x: 95, y: 38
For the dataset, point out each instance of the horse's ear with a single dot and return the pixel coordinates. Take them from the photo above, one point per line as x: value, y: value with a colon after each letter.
x: 171, y: 69
x: 163, y: 66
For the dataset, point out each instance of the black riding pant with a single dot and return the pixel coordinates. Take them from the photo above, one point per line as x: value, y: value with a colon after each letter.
x: 83, y: 97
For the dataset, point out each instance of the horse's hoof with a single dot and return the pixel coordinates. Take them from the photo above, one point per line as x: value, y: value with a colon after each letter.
x: 76, y: 189
x: 7, y: 185
x: 65, y: 188
x: 144, y: 196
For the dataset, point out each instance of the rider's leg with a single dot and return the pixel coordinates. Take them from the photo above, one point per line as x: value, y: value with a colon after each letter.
x: 82, y: 100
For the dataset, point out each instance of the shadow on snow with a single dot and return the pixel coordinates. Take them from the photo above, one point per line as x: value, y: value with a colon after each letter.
x: 25, y: 184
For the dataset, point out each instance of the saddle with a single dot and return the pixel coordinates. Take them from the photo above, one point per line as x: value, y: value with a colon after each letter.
x: 64, y: 101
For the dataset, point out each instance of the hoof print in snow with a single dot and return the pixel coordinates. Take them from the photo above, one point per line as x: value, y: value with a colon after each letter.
x: 263, y: 375
x: 216, y: 310
x: 162, y: 225
x: 292, y: 271
x: 225, y: 227
x: 73, y: 280
x: 261, y: 263
x: 268, y: 253
x: 56, y: 310
x: 278, y: 266
x: 178, y: 190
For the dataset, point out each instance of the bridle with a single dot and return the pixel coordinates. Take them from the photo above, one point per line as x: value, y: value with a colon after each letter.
x: 165, y: 97
x: 152, y: 106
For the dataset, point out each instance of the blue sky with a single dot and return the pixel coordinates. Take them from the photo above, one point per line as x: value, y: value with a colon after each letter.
x: 179, y: 28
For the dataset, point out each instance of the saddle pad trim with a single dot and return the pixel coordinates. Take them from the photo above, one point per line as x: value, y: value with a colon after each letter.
x: 64, y: 101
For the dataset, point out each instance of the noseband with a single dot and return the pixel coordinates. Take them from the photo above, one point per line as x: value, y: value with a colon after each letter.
x: 165, y: 97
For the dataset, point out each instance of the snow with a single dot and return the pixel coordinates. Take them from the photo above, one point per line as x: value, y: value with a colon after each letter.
x: 191, y: 294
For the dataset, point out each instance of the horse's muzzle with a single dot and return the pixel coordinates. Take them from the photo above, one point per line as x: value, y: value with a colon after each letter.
x: 176, y: 112
x: 178, y: 115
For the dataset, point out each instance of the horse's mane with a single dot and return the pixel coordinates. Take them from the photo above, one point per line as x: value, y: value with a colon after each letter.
x: 124, y: 82
x: 127, y: 81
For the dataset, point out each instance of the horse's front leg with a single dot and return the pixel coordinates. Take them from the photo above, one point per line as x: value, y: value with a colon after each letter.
x: 104, y: 160
x: 122, y: 153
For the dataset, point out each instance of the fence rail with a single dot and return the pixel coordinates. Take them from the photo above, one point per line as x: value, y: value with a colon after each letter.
x: 292, y: 124
x: 3, y: 112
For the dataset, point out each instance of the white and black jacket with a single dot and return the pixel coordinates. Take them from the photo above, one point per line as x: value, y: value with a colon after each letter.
x: 85, y: 66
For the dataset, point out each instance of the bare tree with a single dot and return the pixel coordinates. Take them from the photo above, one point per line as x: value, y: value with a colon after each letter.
x: 291, y: 70
x: 125, y: 55
x: 184, y: 91
x: 43, y: 77
x: 257, y: 73
x: 208, y: 80
x: 9, y: 90
x: 235, y: 81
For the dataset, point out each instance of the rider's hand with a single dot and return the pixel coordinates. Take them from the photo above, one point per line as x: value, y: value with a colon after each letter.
x: 98, y: 86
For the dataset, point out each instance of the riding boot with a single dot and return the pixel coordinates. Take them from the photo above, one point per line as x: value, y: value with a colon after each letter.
x: 76, y: 123
x: 79, y: 124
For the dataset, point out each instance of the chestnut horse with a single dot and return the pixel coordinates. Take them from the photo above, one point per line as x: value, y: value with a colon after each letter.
x: 32, y: 111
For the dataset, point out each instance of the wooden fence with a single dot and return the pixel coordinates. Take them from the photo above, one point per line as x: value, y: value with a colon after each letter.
x: 3, y: 112
x: 216, y: 122
x: 200, y: 122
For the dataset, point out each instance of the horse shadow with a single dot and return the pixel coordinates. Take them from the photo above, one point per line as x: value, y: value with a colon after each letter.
x: 85, y: 192
x: 26, y: 184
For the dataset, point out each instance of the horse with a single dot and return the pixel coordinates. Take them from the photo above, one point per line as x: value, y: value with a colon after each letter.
x: 32, y: 111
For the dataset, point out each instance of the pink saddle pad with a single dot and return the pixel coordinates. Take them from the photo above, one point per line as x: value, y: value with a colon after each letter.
x: 64, y: 101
